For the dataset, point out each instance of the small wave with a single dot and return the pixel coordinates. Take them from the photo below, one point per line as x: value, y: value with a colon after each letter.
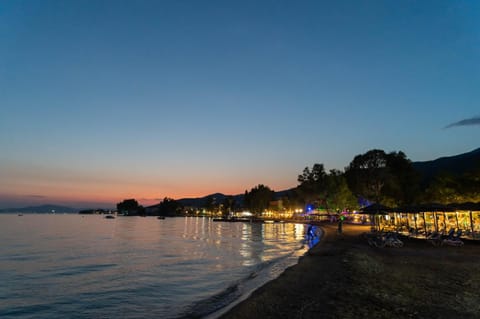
x: 264, y: 273
x: 22, y: 257
x: 209, y: 305
x: 236, y: 292
x: 268, y: 263
x: 233, y: 292
x: 83, y: 269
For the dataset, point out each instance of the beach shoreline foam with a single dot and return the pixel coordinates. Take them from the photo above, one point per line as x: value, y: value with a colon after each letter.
x: 261, y: 278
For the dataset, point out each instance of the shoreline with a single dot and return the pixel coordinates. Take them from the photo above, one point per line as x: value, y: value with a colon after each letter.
x: 247, y: 294
x: 343, y: 277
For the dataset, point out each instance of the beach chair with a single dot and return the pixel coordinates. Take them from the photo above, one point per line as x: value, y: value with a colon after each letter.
x: 452, y: 239
x: 412, y: 232
x: 435, y: 238
x: 450, y: 234
x: 459, y: 234
x: 392, y: 240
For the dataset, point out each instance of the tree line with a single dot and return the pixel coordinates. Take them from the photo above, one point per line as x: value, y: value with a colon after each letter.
x: 373, y: 177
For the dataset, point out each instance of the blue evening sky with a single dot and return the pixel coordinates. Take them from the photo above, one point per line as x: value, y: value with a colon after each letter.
x: 106, y: 100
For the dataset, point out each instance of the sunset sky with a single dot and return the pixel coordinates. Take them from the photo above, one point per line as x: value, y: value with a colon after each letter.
x: 106, y: 100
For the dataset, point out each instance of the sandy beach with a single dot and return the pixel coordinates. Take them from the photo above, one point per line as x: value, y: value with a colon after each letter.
x: 343, y: 277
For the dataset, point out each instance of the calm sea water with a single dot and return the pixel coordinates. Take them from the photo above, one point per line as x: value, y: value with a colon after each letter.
x: 74, y: 266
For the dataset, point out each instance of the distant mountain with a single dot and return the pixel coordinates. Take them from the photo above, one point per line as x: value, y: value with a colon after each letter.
x: 457, y: 164
x: 43, y: 209
x: 202, y: 201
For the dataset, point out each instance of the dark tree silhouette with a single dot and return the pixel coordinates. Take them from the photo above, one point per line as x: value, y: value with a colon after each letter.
x: 211, y: 204
x: 404, y: 185
x: 169, y: 207
x: 367, y: 173
x: 338, y: 196
x: 449, y: 188
x: 258, y: 199
x: 130, y: 207
x: 329, y: 191
x: 313, y: 185
x: 228, y: 205
x: 383, y: 178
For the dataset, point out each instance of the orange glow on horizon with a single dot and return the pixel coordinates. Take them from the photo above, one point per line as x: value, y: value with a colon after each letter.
x: 101, y: 195
x: 92, y: 199
x: 76, y: 190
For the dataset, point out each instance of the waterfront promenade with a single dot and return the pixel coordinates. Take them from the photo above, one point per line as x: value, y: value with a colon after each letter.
x: 343, y: 277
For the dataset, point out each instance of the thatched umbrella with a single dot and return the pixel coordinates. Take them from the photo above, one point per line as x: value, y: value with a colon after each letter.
x: 434, y: 207
x: 375, y: 210
x: 469, y: 207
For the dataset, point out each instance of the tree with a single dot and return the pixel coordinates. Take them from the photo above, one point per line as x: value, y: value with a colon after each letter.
x: 470, y: 185
x: 338, y: 195
x: 443, y: 189
x: 312, y: 185
x: 292, y: 200
x: 383, y: 178
x: 367, y: 173
x: 169, y: 207
x: 258, y: 199
x: 404, y: 187
x: 449, y: 188
x: 211, y: 204
x: 329, y: 191
x: 228, y: 205
x: 130, y: 207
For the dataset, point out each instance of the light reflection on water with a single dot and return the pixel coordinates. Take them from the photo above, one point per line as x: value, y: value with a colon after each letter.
x: 86, y: 266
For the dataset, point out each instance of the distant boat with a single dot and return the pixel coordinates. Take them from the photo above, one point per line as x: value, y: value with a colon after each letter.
x: 161, y: 217
x: 110, y: 217
x: 20, y: 214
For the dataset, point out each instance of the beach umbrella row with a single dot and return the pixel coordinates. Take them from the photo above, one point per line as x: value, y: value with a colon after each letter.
x: 378, y: 210
x: 430, y: 207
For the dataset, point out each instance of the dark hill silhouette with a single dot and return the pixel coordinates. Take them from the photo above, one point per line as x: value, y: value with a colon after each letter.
x: 457, y: 165
x: 220, y: 198
x: 202, y: 201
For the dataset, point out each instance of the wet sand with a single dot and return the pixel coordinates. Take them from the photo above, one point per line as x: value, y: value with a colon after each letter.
x: 343, y: 277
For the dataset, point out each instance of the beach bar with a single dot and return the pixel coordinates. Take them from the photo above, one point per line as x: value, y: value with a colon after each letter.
x: 421, y: 220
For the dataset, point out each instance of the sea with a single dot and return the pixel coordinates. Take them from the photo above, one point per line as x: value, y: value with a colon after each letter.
x: 87, y: 266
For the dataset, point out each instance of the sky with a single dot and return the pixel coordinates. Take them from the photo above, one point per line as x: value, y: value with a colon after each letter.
x: 106, y: 100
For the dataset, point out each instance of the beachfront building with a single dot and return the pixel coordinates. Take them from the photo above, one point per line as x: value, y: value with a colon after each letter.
x: 425, y: 219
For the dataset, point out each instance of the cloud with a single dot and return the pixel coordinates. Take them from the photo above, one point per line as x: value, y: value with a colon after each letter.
x: 471, y: 121
x: 36, y: 196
